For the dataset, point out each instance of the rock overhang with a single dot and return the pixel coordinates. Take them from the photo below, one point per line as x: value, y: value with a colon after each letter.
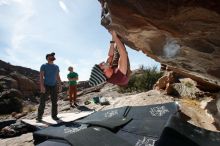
x: 183, y: 34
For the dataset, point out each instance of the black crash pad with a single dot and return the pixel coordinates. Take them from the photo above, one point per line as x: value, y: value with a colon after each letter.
x: 57, y: 131
x: 157, y: 111
x: 112, y: 124
x: 96, y: 136
x: 54, y: 142
x: 182, y: 133
x: 137, y: 140
x: 145, y: 127
x: 106, y: 114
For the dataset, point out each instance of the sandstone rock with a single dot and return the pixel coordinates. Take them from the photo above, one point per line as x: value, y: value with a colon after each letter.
x: 8, y: 82
x: 218, y: 105
x: 10, y: 101
x: 7, y: 68
x: 26, y: 85
x: 11, y: 93
x: 3, y: 71
x: 187, y: 88
x: 217, y: 116
x: 198, y: 116
x: 23, y: 140
x: 212, y: 106
x: 21, y: 78
x: 183, y: 34
x: 16, y: 84
x: 19, y: 115
x: 164, y: 83
x: 83, y: 85
x: 13, y: 114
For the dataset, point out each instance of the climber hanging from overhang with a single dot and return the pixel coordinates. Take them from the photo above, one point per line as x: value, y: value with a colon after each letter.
x: 116, y: 69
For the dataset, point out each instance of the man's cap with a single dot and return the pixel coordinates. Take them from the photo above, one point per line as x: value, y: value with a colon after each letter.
x: 97, y: 76
x: 51, y: 54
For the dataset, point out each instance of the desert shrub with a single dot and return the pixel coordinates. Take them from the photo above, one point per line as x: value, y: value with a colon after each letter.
x: 143, y: 80
x: 188, y: 84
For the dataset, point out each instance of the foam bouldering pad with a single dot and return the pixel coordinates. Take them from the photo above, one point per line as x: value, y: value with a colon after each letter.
x: 182, y: 133
x: 171, y: 137
x: 157, y: 111
x: 103, y: 115
x: 145, y: 127
x: 54, y: 142
x: 112, y: 123
x: 57, y: 131
x: 137, y: 140
x: 96, y: 136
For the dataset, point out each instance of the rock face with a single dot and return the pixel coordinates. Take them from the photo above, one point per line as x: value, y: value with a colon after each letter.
x: 15, y: 77
x: 10, y: 101
x: 27, y: 86
x: 187, y: 88
x: 16, y: 84
x: 183, y: 34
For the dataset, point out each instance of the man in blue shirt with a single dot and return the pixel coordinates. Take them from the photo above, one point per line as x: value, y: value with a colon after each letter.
x: 49, y: 78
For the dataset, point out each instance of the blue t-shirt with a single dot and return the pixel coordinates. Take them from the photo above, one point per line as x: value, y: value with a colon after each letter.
x: 50, y: 73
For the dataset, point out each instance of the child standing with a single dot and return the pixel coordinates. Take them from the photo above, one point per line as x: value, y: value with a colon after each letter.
x: 72, y: 77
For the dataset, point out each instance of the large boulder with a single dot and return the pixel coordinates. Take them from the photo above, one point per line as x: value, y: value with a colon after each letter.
x: 183, y: 34
x: 7, y: 82
x: 25, y: 85
x: 213, y: 108
x: 16, y: 85
x: 24, y: 79
x: 3, y: 71
x: 10, y: 101
x: 187, y: 88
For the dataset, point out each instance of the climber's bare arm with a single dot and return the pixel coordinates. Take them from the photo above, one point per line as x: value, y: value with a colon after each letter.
x: 110, y: 53
x: 123, y: 60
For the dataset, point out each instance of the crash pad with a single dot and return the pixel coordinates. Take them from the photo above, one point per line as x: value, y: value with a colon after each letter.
x: 105, y: 114
x: 96, y: 136
x: 54, y: 142
x: 58, y: 131
x: 156, y: 111
x: 181, y: 133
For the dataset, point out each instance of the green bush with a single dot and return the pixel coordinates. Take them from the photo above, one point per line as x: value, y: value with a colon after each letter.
x: 188, y: 84
x: 143, y: 80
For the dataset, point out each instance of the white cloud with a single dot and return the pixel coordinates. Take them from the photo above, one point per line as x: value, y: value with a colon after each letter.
x: 63, y: 6
x: 4, y: 2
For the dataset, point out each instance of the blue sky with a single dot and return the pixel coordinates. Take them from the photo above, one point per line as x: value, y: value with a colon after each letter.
x: 29, y: 29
